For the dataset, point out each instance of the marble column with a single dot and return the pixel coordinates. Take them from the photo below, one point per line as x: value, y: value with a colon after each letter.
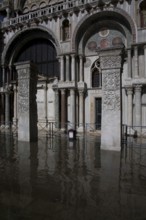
x: 67, y: 67
x: 62, y: 68
x: 27, y: 105
x: 72, y: 108
x: 111, y: 64
x: 4, y: 76
x: 136, y: 61
x: 73, y: 67
x: 81, y: 68
x: 145, y: 61
x: 129, y: 74
x: 57, y: 108
x: 7, y: 109
x: 138, y: 107
x: 2, y: 109
x: 129, y: 105
x: 15, y: 106
x: 63, y: 110
x: 45, y: 104
x: 81, y: 111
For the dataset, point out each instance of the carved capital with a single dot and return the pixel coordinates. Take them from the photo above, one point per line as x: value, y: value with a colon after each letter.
x: 129, y: 90
x: 138, y: 87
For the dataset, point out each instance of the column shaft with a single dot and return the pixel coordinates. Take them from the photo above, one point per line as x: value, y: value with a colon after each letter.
x: 129, y: 93
x: 15, y: 105
x: 45, y: 102
x: 81, y: 110
x: 56, y: 108
x: 63, y: 109
x: 7, y: 109
x: 2, y: 109
x: 73, y: 68
x: 136, y: 61
x: 72, y: 94
x: 81, y: 68
x: 129, y: 75
x: 145, y: 61
x: 62, y: 68
x: 138, y: 109
x: 67, y: 67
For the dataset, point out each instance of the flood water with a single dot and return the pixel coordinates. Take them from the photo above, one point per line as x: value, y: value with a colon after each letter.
x: 56, y: 179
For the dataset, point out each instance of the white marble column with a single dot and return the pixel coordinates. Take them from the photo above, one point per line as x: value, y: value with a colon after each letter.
x: 81, y: 111
x: 67, y: 67
x: 145, y: 61
x: 81, y: 68
x: 73, y: 67
x: 62, y: 68
x: 129, y: 104
x: 56, y: 108
x: 136, y: 61
x: 45, y: 104
x: 72, y: 108
x: 4, y: 77
x: 129, y: 74
x: 15, y: 106
x: 138, y: 107
x: 63, y: 110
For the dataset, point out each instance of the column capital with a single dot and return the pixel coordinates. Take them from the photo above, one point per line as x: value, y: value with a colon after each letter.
x: 63, y: 91
x: 72, y: 91
x: 129, y: 90
x: 138, y: 87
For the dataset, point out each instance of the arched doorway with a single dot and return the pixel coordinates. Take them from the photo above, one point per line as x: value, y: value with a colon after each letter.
x: 39, y: 47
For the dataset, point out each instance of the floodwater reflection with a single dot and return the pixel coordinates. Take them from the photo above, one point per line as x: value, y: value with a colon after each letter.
x: 58, y: 179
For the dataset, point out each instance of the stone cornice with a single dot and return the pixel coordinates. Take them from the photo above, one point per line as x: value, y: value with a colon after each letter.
x: 134, y: 81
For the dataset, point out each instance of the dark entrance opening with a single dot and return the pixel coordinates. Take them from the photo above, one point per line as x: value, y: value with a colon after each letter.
x: 98, y: 111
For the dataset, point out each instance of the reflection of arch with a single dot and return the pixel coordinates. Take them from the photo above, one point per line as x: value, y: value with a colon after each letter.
x: 96, y: 75
x: 11, y: 50
x: 116, y: 14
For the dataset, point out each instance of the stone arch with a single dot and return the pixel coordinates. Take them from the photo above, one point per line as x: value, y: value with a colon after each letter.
x: 25, y: 35
x: 113, y: 13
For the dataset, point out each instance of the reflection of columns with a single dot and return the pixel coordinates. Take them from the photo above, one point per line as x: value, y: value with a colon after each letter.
x: 7, y: 109
x: 63, y: 109
x: 81, y: 109
x: 73, y: 68
x: 72, y: 95
x: 129, y: 93
x: 62, y: 68
x: 145, y: 61
x: 56, y: 108
x: 136, y: 61
x: 138, y: 110
x: 15, y: 105
x: 81, y: 68
x: 129, y: 74
x: 67, y: 67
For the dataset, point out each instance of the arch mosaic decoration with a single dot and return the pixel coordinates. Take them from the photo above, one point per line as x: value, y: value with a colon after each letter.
x: 112, y: 12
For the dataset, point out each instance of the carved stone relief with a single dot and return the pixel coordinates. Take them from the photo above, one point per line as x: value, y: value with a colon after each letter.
x: 110, y: 62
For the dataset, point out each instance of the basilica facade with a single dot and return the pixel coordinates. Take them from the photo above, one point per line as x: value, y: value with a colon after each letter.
x: 90, y: 57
